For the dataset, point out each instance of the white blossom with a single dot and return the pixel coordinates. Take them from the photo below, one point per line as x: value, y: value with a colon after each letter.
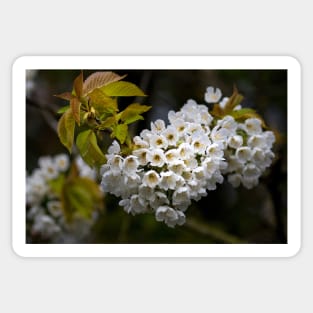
x: 171, y: 165
x: 212, y: 96
x: 142, y: 155
x: 151, y: 179
x: 158, y: 126
x: 156, y: 157
x: 170, y: 135
x: 169, y: 216
x: 253, y: 126
x: 235, y: 141
x: 114, y: 148
x: 62, y: 162
x: 158, y: 141
x: 130, y: 165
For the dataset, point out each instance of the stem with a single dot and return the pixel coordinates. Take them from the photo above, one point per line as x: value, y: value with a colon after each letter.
x: 211, y: 231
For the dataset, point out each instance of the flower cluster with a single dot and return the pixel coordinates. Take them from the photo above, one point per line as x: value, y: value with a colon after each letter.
x: 172, y: 165
x: 45, y: 217
x: 248, y: 152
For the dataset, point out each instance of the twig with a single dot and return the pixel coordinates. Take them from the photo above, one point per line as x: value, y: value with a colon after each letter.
x: 46, y: 112
x: 212, y: 231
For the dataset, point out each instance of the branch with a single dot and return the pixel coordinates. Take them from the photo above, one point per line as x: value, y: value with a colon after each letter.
x: 47, y: 113
x: 211, y: 231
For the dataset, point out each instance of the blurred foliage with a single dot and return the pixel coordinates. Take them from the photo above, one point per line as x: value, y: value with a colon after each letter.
x: 254, y: 216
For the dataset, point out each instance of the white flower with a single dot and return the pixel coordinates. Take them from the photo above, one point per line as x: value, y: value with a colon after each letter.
x: 140, y: 143
x: 234, y: 179
x: 168, y: 180
x: 62, y: 162
x: 145, y: 135
x: 126, y: 204
x: 220, y: 135
x: 243, y: 154
x: 186, y: 177
x: 151, y: 179
x: 55, y: 208
x: 269, y: 155
x: 142, y: 155
x: 185, y: 151
x: 171, y: 156
x: 210, y: 166
x: 258, y: 156
x: 160, y: 199
x: 158, y: 126
x: 199, y: 173
x: 194, y: 128
x: 174, y: 116
x: 147, y: 192
x: 177, y: 167
x: 48, y: 167
x: 253, y: 126
x: 112, y: 183
x: 45, y: 226
x: 251, y: 171
x: 233, y: 164
x: 222, y: 103
x: 156, y: 157
x: 215, y: 151
x: 212, y: 96
x: 257, y: 141
x: 84, y: 169
x: 114, y: 148
x: 235, y: 141
x: 137, y: 205
x: 270, y: 138
x: 170, y: 216
x: 229, y: 123
x: 116, y: 164
x: 131, y: 184
x: 158, y: 141
x: 180, y: 126
x: 130, y: 165
x: 190, y: 111
x: 200, y: 143
x: 171, y: 135
x: 181, y: 198
x: 191, y: 162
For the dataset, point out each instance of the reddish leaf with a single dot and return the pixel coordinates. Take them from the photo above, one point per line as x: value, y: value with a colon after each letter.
x: 65, y: 96
x: 99, y: 79
x: 75, y: 106
x: 78, y: 85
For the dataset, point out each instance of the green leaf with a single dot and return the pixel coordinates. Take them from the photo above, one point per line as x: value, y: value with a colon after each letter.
x: 75, y: 106
x: 120, y: 132
x: 88, y: 147
x: 66, y: 128
x: 63, y: 109
x: 99, y: 79
x: 93, y: 189
x: 133, y: 111
x: 80, y: 200
x: 243, y: 114
x: 108, y: 122
x: 102, y: 103
x: 56, y: 185
x: 122, y: 89
x: 81, y: 197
